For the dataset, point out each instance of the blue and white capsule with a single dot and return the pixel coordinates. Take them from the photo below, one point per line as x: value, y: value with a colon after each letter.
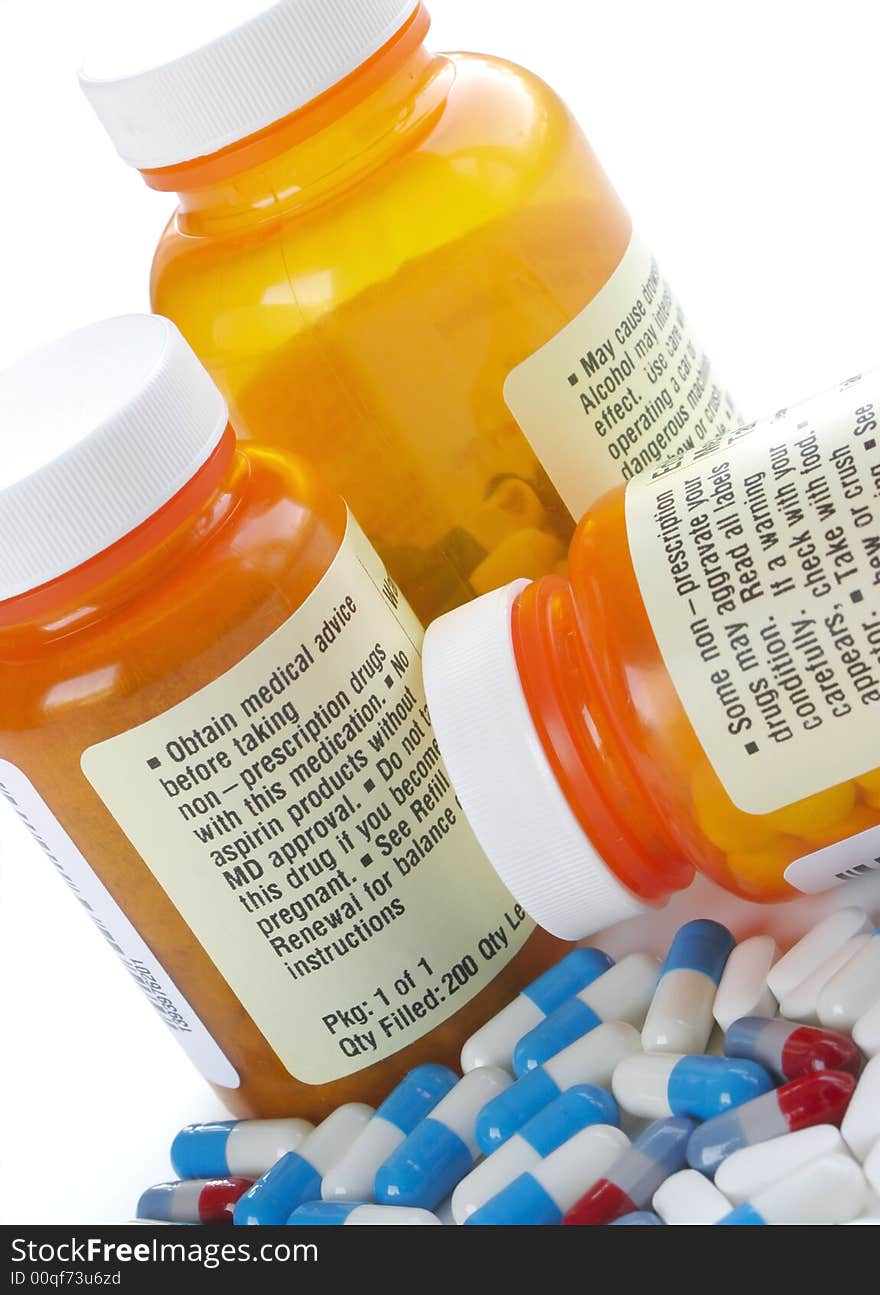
x: 573, y: 1111
x: 353, y: 1177
x: 680, y: 1018
x: 242, y: 1148
x: 655, y: 1085
x: 541, y: 1197
x: 442, y: 1148
x: 493, y: 1043
x: 622, y: 994
x: 639, y: 1219
x: 342, y: 1214
x: 296, y: 1178
x: 591, y: 1060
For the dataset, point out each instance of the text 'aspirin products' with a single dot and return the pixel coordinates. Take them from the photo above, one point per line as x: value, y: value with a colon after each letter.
x: 703, y: 693
x: 409, y: 268
x: 212, y: 719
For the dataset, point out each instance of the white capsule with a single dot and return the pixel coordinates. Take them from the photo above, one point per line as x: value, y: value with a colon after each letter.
x: 689, y: 1198
x: 491, y: 1175
x: 640, y: 1084
x: 493, y: 1043
x: 853, y: 990
x: 817, y: 945
x: 680, y: 1016
x: 743, y: 990
x: 347, y: 1214
x: 567, y: 1173
x: 866, y: 1032
x: 861, y: 1124
x: 872, y: 1167
x: 751, y: 1170
x: 801, y: 1004
x: 826, y: 1191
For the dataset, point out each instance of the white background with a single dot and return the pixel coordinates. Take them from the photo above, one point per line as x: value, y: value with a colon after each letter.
x: 743, y: 138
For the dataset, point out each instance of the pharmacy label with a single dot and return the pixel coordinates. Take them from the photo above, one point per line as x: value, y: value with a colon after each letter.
x: 622, y: 388
x: 299, y: 816
x: 115, y: 927
x: 858, y: 856
x: 758, y: 558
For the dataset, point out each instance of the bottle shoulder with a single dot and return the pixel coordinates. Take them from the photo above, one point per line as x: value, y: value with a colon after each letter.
x: 166, y: 628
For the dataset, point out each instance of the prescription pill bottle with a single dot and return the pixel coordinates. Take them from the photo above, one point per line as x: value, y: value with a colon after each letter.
x: 212, y: 720
x: 409, y: 267
x: 703, y: 693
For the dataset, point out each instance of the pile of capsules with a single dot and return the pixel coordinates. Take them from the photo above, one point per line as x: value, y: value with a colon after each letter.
x: 719, y: 1112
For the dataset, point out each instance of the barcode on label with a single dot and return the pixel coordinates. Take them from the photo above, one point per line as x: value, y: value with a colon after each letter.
x: 860, y: 870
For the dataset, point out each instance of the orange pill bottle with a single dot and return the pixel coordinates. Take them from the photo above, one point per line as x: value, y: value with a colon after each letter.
x: 410, y: 268
x: 212, y: 719
x: 702, y: 694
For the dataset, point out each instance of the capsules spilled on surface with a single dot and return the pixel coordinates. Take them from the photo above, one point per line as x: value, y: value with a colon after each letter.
x: 493, y: 1044
x: 813, y: 1099
x: 790, y: 1050
x: 631, y: 1182
x: 591, y: 1060
x: 352, y: 1178
x: 656, y: 1085
x: 551, y: 1128
x: 296, y: 1178
x: 543, y: 1196
x: 623, y: 993
x: 546, y: 1147
x: 196, y: 1200
x: 680, y: 1016
x: 442, y: 1148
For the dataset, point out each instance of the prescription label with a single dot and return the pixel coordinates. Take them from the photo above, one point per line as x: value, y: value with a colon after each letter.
x: 299, y: 816
x: 115, y: 927
x: 758, y: 559
x: 623, y: 387
x: 858, y: 856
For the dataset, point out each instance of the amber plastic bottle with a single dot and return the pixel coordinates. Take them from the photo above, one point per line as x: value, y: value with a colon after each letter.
x: 410, y: 268
x: 211, y: 717
x: 702, y: 694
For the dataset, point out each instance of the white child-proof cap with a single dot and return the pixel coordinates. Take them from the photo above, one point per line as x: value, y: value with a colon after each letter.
x: 100, y: 430
x: 503, y: 778
x: 188, y: 80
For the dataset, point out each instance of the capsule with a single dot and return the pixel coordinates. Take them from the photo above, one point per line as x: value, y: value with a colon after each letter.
x: 688, y: 1199
x: 196, y: 1200
x: 621, y: 994
x: 743, y: 990
x: 632, y: 1181
x: 680, y: 1016
x: 353, y: 1177
x: 442, y: 1148
x: 591, y: 1060
x: 343, y: 1214
x: 542, y: 1196
x: 818, y: 944
x: 574, y: 1110
x: 240, y: 1148
x: 813, y: 1099
x: 747, y: 1172
x: 853, y: 990
x: 656, y: 1085
x: 871, y: 1168
x: 296, y: 1178
x: 493, y: 1043
x: 866, y: 1032
x: 861, y: 1126
x: 802, y: 1002
x: 790, y: 1050
x: 640, y: 1219
x: 826, y: 1191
